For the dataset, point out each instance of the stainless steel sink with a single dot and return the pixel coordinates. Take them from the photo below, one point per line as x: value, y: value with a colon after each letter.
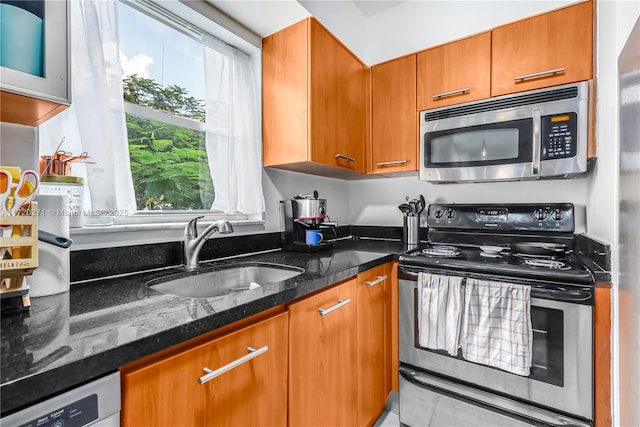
x: 224, y: 280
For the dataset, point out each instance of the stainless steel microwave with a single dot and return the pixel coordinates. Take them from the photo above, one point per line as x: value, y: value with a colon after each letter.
x: 529, y: 135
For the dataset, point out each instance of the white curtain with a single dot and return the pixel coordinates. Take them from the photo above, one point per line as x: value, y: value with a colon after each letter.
x: 233, y: 133
x: 96, y: 122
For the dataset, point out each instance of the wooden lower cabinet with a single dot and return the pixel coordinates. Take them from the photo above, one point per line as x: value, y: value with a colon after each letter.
x: 322, y: 358
x: 167, y: 393
x: 373, y: 288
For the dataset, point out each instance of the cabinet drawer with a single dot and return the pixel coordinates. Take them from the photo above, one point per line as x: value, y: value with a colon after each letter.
x: 175, y: 390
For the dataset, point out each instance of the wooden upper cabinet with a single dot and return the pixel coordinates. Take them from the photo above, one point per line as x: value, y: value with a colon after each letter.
x: 314, y: 100
x: 338, y: 95
x: 254, y: 393
x: 455, y: 72
x: 545, y: 50
x: 394, y: 121
x: 34, y: 78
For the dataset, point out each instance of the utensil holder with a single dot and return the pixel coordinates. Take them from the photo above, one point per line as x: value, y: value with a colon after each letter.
x: 23, y: 244
x: 411, y: 230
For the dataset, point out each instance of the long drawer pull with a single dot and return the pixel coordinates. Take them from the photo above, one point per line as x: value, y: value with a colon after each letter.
x: 347, y: 158
x: 375, y: 282
x: 341, y: 302
x: 253, y: 353
x: 392, y: 163
x: 539, y: 74
x: 450, y: 93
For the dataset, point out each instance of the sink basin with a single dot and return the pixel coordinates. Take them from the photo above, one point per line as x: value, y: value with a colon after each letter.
x: 224, y: 280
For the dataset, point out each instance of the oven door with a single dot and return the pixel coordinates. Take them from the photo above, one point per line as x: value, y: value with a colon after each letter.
x: 561, y: 376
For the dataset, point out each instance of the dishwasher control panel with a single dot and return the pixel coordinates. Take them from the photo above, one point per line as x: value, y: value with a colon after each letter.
x: 77, y: 414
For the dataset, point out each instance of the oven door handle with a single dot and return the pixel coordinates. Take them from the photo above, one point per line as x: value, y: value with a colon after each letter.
x: 486, y: 400
x: 541, y: 289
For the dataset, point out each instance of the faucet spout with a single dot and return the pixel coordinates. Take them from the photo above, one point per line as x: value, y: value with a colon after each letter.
x: 193, y: 243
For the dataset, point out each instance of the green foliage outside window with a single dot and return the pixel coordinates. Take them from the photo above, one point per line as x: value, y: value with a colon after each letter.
x: 168, y: 162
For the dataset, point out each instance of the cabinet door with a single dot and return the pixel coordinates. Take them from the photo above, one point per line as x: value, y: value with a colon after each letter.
x: 546, y: 50
x: 284, y: 95
x: 254, y: 393
x: 338, y: 85
x: 394, y: 120
x: 455, y: 72
x: 322, y: 358
x: 372, y: 292
x: 34, y: 77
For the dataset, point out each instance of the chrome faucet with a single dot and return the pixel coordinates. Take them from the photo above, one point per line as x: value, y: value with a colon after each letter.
x: 193, y: 243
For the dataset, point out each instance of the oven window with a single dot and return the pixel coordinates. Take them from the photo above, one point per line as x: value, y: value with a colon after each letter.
x: 477, y: 145
x: 548, y: 345
x: 492, y: 144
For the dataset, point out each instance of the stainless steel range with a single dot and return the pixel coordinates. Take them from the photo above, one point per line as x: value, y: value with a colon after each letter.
x: 523, y: 248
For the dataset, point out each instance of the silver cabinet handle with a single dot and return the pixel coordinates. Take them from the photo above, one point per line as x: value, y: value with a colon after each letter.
x: 347, y: 158
x: 535, y: 160
x: 539, y: 74
x: 341, y: 302
x: 253, y: 353
x: 375, y: 282
x: 392, y: 163
x: 453, y: 92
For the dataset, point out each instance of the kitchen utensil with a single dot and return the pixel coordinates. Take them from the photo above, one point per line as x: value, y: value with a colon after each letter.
x: 411, y: 230
x: 5, y: 190
x: 538, y: 248
x: 60, y: 241
x: 405, y: 209
x: 49, y: 159
x: 23, y: 193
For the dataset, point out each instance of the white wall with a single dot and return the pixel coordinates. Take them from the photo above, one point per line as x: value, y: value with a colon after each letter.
x: 280, y: 185
x: 18, y: 146
x: 375, y: 202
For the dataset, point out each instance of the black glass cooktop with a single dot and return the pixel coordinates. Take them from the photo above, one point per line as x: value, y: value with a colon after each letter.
x: 502, y: 262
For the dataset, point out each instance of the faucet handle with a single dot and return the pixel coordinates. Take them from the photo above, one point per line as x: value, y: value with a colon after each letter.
x: 191, y: 229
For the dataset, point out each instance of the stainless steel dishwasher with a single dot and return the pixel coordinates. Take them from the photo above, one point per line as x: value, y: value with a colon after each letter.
x: 95, y: 404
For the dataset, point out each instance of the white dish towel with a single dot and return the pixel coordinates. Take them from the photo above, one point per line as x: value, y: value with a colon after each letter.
x: 439, y: 312
x: 496, y: 325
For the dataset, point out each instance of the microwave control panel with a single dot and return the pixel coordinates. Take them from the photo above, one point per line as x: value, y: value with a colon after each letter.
x: 559, y: 136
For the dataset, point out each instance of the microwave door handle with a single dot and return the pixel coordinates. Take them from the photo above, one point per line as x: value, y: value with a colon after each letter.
x: 537, y: 135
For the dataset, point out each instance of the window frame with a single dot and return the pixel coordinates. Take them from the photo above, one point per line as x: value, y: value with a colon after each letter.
x: 153, y: 217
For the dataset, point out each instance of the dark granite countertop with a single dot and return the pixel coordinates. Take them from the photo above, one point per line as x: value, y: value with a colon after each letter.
x: 77, y: 336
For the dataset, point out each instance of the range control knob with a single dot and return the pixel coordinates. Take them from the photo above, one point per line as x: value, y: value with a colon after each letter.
x: 438, y: 214
x: 557, y: 215
x: 451, y: 214
x: 539, y: 214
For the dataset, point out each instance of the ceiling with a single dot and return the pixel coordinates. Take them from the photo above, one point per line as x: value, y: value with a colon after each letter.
x: 370, y: 8
x: 262, y: 17
x: 265, y: 17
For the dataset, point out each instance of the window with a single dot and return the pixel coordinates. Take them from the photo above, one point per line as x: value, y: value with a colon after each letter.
x: 163, y: 88
x: 168, y: 114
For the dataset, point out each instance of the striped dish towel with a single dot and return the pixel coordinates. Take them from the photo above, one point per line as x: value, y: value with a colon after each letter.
x: 439, y: 312
x: 496, y: 325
